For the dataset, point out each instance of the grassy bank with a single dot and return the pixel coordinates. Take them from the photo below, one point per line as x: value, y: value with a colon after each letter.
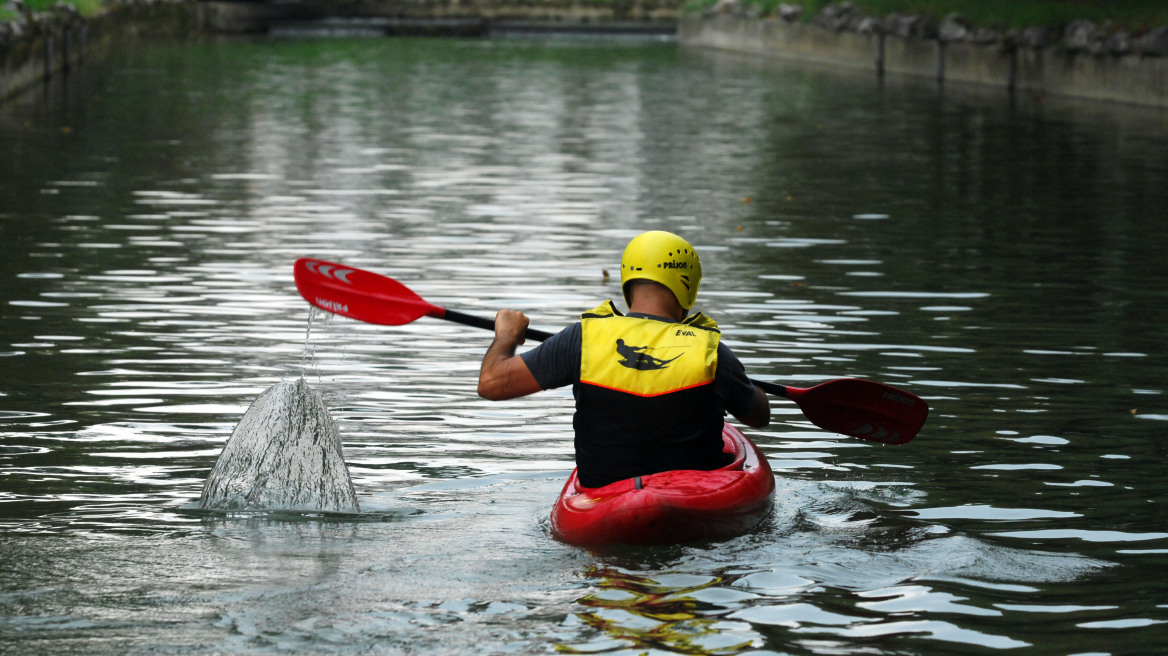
x: 1130, y: 14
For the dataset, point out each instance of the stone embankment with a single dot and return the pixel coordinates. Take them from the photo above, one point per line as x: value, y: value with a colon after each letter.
x: 1084, y: 60
x: 445, y: 18
x: 38, y: 45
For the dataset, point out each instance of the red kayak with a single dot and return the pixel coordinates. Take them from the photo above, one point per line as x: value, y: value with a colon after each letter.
x: 673, y: 506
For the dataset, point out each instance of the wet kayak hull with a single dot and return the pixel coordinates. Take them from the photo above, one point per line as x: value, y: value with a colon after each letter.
x: 671, y: 507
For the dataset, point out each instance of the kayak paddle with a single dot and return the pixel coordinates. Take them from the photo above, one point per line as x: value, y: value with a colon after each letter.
x: 849, y: 406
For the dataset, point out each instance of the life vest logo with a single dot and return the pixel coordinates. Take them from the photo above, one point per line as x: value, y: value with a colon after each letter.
x: 634, y: 357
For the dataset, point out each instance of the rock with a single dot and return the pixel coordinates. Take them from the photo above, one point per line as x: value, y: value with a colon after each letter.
x: 731, y: 7
x: 858, y: 21
x: 910, y: 26
x: 1119, y: 43
x: 16, y: 31
x: 1098, y: 44
x: 954, y: 27
x: 984, y: 36
x: 284, y: 454
x: 869, y: 25
x: 38, y: 23
x: 789, y: 13
x: 836, y: 17
x: 1081, y: 35
x: 897, y: 25
x: 25, y: 24
x: 1154, y: 43
x: 1035, y: 38
x: 67, y: 13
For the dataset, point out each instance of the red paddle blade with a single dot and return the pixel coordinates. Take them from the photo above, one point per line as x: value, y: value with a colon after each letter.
x: 361, y: 295
x: 863, y: 409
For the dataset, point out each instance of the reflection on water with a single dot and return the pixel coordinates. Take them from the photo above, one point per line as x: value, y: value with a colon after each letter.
x: 638, y: 612
x: 990, y: 255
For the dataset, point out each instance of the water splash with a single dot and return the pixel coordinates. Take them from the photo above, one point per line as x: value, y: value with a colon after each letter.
x: 284, y: 454
x: 308, y: 357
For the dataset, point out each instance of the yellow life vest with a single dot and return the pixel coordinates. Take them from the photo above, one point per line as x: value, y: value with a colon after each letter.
x: 646, y: 357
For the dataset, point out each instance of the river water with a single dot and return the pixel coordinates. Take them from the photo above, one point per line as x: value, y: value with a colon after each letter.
x: 1001, y: 257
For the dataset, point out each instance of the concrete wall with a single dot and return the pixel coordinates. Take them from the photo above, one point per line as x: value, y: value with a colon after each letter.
x: 40, y: 49
x: 1051, y: 69
x: 452, y: 17
x: 38, y: 46
x: 779, y: 38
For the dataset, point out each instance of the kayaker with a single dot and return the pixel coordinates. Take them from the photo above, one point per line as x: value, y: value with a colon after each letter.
x: 636, y: 413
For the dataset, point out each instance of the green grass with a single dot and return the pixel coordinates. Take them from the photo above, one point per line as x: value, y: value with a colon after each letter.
x: 1131, y: 14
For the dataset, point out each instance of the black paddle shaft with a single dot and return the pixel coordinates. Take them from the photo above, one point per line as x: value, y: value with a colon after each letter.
x: 489, y: 324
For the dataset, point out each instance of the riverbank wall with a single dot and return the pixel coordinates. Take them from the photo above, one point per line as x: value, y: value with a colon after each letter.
x: 1083, y: 60
x: 39, y: 45
x: 446, y: 17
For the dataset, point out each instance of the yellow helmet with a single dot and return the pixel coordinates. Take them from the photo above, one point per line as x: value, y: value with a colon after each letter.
x: 665, y: 258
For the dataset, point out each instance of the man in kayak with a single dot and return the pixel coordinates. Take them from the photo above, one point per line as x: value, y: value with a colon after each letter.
x: 651, y: 387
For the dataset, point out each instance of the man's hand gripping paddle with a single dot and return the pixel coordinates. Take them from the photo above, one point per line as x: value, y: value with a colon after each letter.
x: 849, y: 406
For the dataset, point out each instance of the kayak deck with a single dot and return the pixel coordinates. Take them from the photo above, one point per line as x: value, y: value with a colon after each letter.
x: 671, y: 507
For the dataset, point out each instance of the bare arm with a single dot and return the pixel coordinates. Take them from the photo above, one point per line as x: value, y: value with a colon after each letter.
x: 505, y: 375
x: 760, y: 415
